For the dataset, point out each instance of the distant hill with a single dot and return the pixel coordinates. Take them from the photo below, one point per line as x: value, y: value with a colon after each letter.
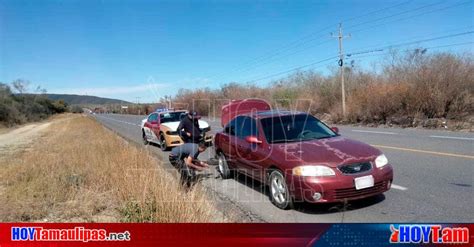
x: 73, y: 99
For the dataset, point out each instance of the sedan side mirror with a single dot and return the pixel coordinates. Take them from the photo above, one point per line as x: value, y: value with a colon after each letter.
x: 252, y: 139
x: 335, y: 129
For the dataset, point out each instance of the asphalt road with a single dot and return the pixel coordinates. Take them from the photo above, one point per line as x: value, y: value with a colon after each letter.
x: 433, y: 178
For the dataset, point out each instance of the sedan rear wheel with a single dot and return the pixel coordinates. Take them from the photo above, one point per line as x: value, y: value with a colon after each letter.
x: 145, y: 140
x: 279, y: 193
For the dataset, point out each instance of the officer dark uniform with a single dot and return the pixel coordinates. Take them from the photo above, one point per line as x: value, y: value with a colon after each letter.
x: 189, y: 130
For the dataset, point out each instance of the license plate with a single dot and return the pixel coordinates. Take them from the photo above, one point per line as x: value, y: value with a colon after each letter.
x: 364, y: 182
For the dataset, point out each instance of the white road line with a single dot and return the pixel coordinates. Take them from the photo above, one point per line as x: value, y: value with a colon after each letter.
x: 120, y: 121
x: 453, y: 137
x: 425, y: 151
x: 376, y: 132
x: 398, y: 187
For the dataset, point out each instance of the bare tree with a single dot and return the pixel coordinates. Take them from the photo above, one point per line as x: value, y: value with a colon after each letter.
x: 40, y: 90
x: 20, y: 85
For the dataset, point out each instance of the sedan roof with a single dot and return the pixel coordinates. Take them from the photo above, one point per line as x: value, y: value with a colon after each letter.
x: 171, y: 111
x: 274, y: 113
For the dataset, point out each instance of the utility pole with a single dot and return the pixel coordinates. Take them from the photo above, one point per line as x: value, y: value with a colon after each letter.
x: 341, y: 37
x: 138, y: 104
x: 167, y: 101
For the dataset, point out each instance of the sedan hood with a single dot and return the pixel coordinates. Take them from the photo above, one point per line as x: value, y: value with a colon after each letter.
x: 332, y: 151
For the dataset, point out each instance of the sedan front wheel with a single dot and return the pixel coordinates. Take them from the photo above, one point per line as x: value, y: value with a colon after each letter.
x: 279, y: 193
x: 223, y: 167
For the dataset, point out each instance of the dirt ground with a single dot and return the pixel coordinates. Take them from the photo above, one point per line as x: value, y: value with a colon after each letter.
x: 12, y: 140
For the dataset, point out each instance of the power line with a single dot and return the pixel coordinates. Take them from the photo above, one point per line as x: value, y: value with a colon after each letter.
x: 292, y: 45
x: 375, y: 50
x: 376, y: 11
x: 396, y: 14
x: 411, y: 16
x: 386, y: 17
x: 293, y: 69
x: 328, y: 59
x: 423, y: 49
x: 345, y: 20
x: 351, y: 18
x: 280, y: 58
x: 304, y: 40
x: 424, y: 35
x: 427, y: 48
x: 362, y: 52
x: 412, y: 42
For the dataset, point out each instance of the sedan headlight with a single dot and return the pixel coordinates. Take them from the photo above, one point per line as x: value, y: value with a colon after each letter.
x: 381, y: 161
x: 313, y: 171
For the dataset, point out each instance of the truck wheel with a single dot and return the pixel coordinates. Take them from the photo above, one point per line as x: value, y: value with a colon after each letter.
x: 279, y: 193
x: 223, y: 167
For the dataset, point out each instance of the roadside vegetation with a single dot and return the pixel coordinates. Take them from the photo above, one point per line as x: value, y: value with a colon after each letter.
x: 19, y: 108
x: 79, y: 171
x: 407, y: 89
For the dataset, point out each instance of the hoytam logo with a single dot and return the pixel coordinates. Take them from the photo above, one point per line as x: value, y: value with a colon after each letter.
x: 429, y: 234
x: 74, y: 234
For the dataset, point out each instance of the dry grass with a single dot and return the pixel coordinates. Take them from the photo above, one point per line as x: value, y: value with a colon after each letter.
x: 80, y: 171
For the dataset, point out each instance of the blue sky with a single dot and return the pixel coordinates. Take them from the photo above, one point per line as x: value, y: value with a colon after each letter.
x: 147, y: 49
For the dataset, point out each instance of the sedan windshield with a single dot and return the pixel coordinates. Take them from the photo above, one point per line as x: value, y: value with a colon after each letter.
x: 171, y: 117
x: 293, y: 128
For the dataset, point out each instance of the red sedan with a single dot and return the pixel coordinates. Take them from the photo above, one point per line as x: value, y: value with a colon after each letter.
x: 297, y: 156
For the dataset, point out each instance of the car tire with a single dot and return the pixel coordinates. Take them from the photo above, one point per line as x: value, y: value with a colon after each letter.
x: 223, y: 167
x: 163, y: 145
x: 145, y: 140
x: 187, y: 174
x: 279, y: 192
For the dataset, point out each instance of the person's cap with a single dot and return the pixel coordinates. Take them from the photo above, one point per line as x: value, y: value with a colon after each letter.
x: 194, y: 114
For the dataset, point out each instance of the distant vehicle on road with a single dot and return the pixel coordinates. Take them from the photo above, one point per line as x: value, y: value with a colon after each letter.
x: 160, y: 127
x: 297, y: 156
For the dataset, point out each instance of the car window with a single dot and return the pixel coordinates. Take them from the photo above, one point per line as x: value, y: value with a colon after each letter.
x: 292, y: 128
x: 171, y: 117
x: 248, y: 127
x: 152, y: 117
x: 230, y: 128
x: 239, y: 121
x: 182, y: 115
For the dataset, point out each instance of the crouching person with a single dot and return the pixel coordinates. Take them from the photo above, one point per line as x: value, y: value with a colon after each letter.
x: 185, y: 158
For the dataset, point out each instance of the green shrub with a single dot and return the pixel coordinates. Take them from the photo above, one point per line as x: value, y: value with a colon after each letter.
x: 76, y: 109
x: 21, y: 108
